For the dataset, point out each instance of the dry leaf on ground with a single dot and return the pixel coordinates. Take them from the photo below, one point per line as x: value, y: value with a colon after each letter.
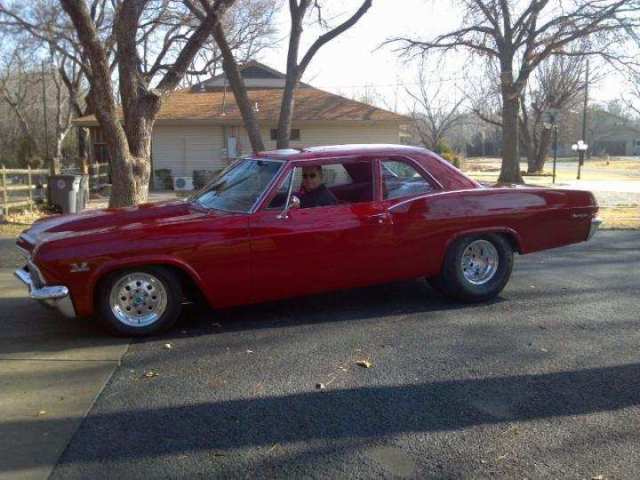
x: 364, y: 363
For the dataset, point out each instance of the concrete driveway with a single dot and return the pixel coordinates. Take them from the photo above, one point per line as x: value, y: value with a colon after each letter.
x: 542, y: 383
x: 51, y: 371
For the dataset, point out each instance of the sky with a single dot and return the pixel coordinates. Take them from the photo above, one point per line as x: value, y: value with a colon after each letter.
x: 355, y: 60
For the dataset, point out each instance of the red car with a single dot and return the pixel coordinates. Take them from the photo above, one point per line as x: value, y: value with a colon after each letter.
x: 261, y: 232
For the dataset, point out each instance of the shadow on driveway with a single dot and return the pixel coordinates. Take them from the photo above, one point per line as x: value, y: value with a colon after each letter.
x: 351, y: 414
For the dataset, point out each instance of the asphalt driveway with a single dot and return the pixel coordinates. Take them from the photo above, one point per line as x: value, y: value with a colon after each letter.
x: 542, y: 383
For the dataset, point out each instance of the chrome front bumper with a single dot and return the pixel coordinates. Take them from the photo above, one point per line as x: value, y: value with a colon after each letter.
x: 53, y: 296
x: 595, y: 224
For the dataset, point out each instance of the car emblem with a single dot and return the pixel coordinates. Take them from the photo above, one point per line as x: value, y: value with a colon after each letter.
x: 79, y: 267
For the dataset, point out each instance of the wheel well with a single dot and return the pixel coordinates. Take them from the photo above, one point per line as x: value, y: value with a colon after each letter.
x: 513, y: 241
x: 190, y: 289
x: 509, y: 236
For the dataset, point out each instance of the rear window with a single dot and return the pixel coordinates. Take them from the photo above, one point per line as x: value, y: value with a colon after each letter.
x: 401, y: 179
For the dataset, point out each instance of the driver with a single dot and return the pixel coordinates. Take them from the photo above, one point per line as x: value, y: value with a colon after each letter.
x: 314, y: 192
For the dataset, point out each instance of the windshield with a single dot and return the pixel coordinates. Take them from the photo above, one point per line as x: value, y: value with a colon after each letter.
x: 238, y: 189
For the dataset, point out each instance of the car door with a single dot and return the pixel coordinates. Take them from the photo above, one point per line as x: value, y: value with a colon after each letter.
x: 410, y: 231
x: 310, y: 250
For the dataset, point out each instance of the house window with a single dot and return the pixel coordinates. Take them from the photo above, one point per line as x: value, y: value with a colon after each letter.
x: 295, y: 134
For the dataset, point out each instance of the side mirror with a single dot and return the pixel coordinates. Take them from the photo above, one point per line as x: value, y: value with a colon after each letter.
x: 294, y: 202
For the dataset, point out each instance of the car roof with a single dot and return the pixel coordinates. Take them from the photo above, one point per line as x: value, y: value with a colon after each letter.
x: 313, y: 153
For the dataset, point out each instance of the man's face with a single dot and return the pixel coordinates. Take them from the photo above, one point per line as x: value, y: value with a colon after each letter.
x: 311, y: 178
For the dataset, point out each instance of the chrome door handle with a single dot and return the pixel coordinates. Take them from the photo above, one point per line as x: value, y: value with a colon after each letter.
x: 380, y: 218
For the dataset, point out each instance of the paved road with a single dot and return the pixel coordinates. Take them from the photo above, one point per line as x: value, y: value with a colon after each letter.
x: 542, y: 383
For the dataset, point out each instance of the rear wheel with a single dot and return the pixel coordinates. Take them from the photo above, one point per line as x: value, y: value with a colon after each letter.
x: 476, y: 268
x: 140, y: 301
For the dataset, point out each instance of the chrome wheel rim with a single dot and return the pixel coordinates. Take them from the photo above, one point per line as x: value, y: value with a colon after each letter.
x: 479, y: 262
x: 138, y: 299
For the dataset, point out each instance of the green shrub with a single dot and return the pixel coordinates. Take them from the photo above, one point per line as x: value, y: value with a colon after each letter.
x: 450, y: 155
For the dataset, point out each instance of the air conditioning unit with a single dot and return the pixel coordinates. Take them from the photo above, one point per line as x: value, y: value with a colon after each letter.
x: 182, y: 184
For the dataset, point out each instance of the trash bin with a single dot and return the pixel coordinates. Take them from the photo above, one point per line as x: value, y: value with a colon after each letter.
x: 63, y: 192
x: 83, y: 194
x: 201, y: 178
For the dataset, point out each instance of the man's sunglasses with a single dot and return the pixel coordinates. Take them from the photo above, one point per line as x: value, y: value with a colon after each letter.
x: 309, y: 175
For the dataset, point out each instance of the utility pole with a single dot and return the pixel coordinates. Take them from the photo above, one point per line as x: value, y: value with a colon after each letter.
x: 581, y: 153
x: 555, y: 151
x: 550, y: 121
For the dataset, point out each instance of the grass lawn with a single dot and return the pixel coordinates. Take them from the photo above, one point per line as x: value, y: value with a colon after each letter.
x: 620, y: 218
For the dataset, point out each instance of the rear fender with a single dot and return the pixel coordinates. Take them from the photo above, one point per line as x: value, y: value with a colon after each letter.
x: 513, y: 236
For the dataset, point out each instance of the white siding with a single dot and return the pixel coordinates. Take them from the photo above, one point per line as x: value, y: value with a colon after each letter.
x: 183, y: 149
x: 311, y: 136
x: 189, y: 148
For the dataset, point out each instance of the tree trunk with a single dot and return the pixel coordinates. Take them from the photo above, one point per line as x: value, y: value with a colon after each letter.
x: 541, y: 152
x: 510, y: 170
x: 232, y: 72
x: 131, y: 171
x: 292, y: 78
x: 131, y: 178
x: 83, y: 150
x: 286, y: 113
x: 527, y: 142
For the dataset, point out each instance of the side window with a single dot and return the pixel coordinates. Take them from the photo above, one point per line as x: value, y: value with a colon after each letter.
x: 400, y: 179
x: 328, y: 184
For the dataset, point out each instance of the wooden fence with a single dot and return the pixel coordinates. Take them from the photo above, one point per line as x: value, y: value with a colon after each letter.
x: 7, y: 188
x: 18, y: 195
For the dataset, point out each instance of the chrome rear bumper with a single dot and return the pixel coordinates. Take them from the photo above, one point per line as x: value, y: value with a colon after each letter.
x: 53, y: 296
x: 595, y: 225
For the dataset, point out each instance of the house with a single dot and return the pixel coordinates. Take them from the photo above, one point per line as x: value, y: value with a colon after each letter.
x: 614, y: 135
x: 200, y: 128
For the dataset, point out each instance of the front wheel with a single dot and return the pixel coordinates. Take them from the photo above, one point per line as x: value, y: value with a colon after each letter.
x: 140, y: 301
x: 476, y: 268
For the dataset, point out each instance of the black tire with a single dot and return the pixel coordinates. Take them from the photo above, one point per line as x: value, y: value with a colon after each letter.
x: 173, y: 293
x: 452, y: 282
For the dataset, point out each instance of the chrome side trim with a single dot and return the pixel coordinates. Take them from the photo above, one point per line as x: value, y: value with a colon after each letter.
x: 595, y: 225
x: 24, y: 252
x: 53, y: 295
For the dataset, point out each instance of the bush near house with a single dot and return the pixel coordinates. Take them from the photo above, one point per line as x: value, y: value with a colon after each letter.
x: 450, y: 155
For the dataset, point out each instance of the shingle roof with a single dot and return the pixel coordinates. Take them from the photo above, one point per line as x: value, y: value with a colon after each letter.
x: 217, y: 106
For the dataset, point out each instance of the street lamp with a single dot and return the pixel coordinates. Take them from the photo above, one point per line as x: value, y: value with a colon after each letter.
x: 580, y: 147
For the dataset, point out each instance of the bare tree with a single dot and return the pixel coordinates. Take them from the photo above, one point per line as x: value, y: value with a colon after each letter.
x: 43, y: 25
x: 165, y: 27
x: 128, y: 138
x: 519, y: 36
x: 632, y: 100
x: 22, y: 82
x: 250, y: 29
x: 432, y: 113
x: 232, y: 72
x: 17, y: 84
x: 555, y: 85
x: 296, y: 67
x: 558, y: 83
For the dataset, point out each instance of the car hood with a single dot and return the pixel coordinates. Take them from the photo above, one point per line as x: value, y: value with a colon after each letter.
x: 96, y: 221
